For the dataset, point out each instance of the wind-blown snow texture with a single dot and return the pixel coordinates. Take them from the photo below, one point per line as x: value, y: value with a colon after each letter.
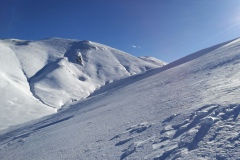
x: 188, y: 109
x: 39, y: 77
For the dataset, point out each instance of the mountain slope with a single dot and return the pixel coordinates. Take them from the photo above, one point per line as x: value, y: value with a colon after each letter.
x: 39, y: 77
x: 17, y: 104
x: 188, y: 109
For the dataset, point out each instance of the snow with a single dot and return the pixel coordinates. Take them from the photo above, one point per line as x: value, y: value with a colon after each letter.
x: 152, y: 60
x: 40, y: 77
x: 17, y: 105
x: 188, y: 109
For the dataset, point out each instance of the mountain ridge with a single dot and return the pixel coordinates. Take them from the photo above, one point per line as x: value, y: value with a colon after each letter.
x: 54, y: 76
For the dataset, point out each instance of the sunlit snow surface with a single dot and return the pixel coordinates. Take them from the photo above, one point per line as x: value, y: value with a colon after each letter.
x: 188, y: 109
x: 39, y: 77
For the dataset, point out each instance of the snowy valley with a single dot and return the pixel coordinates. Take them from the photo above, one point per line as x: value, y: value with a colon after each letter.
x: 188, y: 109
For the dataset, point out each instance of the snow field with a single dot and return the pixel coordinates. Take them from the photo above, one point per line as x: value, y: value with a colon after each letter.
x: 188, y: 109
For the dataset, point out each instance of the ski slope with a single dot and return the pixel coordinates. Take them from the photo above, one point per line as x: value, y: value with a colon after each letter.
x: 39, y: 77
x: 188, y: 109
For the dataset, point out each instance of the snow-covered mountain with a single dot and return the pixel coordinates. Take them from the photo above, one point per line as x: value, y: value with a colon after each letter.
x: 39, y: 77
x: 188, y: 109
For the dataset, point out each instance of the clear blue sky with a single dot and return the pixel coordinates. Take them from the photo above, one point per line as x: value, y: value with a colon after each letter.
x: 165, y: 29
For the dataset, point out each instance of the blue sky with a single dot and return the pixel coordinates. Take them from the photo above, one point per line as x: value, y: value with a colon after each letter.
x: 165, y: 29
